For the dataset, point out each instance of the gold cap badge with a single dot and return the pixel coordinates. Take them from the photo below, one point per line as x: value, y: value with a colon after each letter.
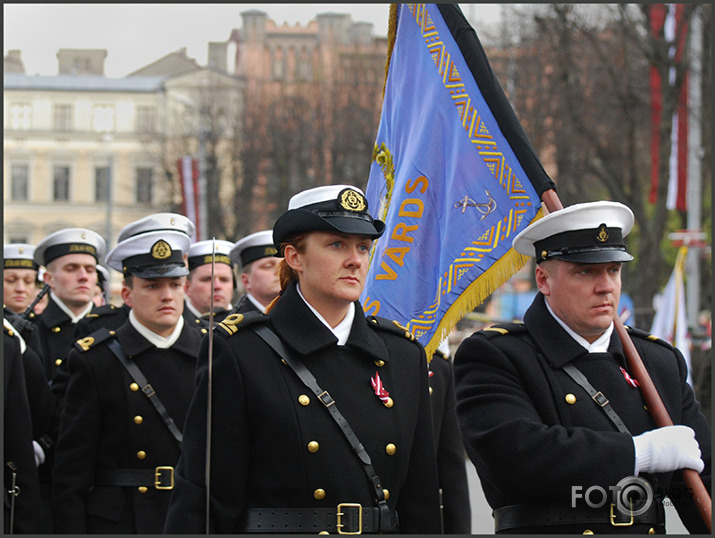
x: 602, y: 235
x: 351, y: 200
x: 161, y: 250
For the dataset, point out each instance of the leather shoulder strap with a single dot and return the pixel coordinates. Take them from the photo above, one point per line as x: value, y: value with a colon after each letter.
x: 387, y: 520
x: 596, y: 396
x: 146, y: 388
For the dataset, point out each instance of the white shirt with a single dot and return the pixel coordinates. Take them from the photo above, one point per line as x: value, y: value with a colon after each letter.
x: 192, y: 308
x: 342, y: 329
x: 600, y: 345
x: 155, y: 339
x: 66, y: 309
x: 257, y: 304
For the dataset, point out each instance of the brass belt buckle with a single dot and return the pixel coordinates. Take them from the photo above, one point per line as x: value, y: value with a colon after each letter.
x: 619, y: 524
x: 157, y: 477
x: 340, y: 515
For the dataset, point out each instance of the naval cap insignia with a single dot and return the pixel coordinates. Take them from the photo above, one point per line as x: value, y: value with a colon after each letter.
x: 161, y: 250
x: 602, y: 235
x: 351, y: 200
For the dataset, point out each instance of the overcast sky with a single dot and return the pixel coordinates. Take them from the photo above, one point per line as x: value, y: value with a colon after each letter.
x: 135, y: 35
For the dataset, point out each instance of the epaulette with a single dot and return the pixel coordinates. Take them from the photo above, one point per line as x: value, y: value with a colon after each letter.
x: 502, y: 329
x: 97, y: 337
x: 391, y: 326
x: 103, y: 310
x: 231, y: 323
x: 647, y: 336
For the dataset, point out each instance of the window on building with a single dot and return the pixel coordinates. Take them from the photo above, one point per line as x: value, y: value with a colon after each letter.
x: 20, y: 175
x: 17, y: 239
x: 145, y: 180
x: 101, y: 183
x: 21, y: 116
x: 103, y: 119
x: 305, y: 70
x: 278, y: 68
x: 61, y: 184
x: 63, y: 118
x: 146, y: 119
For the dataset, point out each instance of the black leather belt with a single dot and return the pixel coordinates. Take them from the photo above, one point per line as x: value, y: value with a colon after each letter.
x: 547, y: 515
x: 158, y: 478
x: 346, y: 518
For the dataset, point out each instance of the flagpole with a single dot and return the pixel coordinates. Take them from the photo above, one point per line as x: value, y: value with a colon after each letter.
x: 650, y: 393
x: 209, y: 392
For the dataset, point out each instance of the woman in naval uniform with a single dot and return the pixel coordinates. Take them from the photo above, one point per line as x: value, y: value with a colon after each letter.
x: 279, y: 460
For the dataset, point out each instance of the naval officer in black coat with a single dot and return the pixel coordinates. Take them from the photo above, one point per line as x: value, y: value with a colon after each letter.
x: 532, y: 428
x: 279, y: 461
x: 255, y: 254
x: 70, y: 257
x: 127, y: 397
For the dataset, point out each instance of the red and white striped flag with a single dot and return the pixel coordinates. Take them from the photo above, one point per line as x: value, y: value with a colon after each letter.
x: 668, y: 18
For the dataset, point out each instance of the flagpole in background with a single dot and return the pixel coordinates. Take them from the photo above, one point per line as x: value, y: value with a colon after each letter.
x: 695, y: 155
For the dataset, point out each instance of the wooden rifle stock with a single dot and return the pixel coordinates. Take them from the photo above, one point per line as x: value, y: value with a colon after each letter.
x: 692, y: 479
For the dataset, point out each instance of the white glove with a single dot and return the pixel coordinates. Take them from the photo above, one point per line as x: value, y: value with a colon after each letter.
x: 667, y: 449
x: 39, y: 454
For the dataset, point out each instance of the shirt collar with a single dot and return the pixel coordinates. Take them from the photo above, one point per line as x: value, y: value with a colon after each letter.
x: 257, y: 304
x: 192, y: 308
x: 600, y: 345
x: 342, y: 329
x: 66, y: 309
x: 156, y: 340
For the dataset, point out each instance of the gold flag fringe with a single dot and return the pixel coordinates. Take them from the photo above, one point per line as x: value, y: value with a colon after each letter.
x: 476, y: 292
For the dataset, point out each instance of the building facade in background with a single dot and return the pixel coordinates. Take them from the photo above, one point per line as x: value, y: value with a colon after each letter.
x: 275, y: 110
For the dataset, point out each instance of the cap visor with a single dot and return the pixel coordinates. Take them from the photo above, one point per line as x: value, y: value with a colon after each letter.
x: 356, y: 226
x: 600, y: 256
x: 161, y: 271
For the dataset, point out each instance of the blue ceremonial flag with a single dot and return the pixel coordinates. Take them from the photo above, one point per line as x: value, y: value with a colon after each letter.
x: 453, y: 176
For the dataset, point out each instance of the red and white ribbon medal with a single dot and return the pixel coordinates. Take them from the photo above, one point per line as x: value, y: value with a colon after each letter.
x: 380, y: 391
x: 631, y: 381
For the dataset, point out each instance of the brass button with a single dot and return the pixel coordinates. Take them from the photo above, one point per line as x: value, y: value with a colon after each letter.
x: 545, y: 254
x: 587, y: 531
x: 319, y: 494
x: 379, y: 363
x: 323, y: 532
x: 431, y: 390
x: 134, y: 387
x: 387, y: 493
x: 570, y: 399
x: 112, y: 333
x: 389, y: 402
x: 138, y: 419
x: 313, y: 447
x: 55, y: 329
x: 142, y: 489
x: 58, y: 362
x: 390, y: 449
x: 303, y: 399
x: 10, y: 333
x: 204, y: 331
x: 651, y: 531
x: 141, y: 455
